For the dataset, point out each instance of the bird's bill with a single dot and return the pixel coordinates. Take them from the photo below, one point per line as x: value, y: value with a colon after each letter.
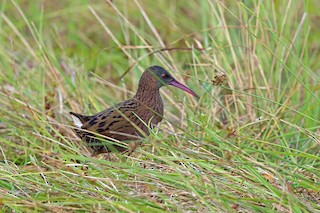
x: 177, y: 84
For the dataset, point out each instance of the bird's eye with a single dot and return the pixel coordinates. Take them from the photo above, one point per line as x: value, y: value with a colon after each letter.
x: 163, y: 76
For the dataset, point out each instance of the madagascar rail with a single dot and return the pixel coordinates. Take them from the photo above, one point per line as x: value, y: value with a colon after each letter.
x: 129, y: 120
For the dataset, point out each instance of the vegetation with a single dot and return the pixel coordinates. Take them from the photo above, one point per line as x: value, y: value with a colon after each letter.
x: 249, y: 144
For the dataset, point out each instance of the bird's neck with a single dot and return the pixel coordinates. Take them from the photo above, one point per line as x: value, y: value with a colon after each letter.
x: 150, y: 99
x: 147, y: 93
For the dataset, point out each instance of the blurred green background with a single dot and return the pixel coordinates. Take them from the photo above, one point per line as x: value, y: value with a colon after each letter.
x: 249, y: 144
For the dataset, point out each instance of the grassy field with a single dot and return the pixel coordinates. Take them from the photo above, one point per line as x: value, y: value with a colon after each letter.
x: 251, y: 143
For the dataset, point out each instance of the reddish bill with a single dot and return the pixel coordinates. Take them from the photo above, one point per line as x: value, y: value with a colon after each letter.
x: 183, y: 87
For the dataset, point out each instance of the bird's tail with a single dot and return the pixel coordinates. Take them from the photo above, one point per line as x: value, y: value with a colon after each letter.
x: 79, y: 119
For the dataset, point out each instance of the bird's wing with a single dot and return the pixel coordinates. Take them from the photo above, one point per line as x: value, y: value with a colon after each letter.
x: 116, y: 122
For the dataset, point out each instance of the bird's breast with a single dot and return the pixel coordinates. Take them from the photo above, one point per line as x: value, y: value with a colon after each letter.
x: 152, y: 113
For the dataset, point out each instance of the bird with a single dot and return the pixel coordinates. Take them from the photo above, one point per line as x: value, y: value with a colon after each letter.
x: 114, y: 128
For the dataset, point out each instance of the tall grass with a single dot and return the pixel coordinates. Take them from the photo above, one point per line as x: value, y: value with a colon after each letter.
x: 250, y: 144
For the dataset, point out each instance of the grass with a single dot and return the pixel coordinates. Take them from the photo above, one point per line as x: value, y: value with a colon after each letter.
x: 250, y: 144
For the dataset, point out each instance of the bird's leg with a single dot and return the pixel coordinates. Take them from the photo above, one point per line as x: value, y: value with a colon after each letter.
x: 95, y: 153
x: 132, y: 147
x: 107, y: 156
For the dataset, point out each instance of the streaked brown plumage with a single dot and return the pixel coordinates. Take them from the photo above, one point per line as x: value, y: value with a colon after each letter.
x: 130, y: 119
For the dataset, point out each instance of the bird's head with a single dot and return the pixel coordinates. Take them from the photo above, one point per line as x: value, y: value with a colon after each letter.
x: 159, y: 77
